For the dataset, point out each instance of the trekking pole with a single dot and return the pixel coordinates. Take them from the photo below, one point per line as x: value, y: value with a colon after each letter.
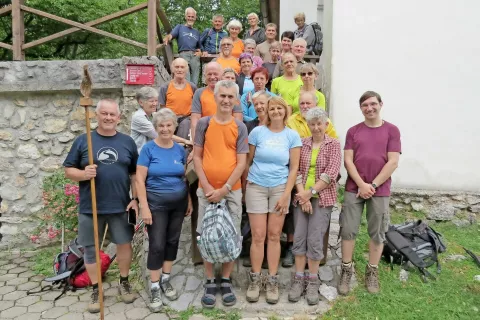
x: 86, y: 102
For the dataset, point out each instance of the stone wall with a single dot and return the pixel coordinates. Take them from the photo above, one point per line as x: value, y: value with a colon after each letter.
x: 40, y: 117
x: 460, y: 207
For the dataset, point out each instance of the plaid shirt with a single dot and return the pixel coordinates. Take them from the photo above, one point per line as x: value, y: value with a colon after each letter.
x: 328, y: 161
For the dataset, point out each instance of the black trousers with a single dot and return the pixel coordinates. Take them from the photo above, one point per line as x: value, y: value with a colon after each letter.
x: 164, y: 232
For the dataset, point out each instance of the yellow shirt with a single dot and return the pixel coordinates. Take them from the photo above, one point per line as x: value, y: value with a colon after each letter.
x: 311, y: 171
x: 299, y: 124
x: 288, y: 90
x: 320, y: 99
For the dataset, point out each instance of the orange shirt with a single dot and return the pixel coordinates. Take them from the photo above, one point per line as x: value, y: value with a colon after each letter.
x: 221, y: 143
x: 229, y: 63
x: 179, y: 101
x: 238, y: 48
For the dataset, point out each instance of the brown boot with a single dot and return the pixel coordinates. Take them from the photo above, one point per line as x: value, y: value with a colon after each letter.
x: 297, y: 287
x: 272, y: 294
x: 94, y: 305
x: 371, y: 279
x: 345, y: 277
x: 311, y: 292
x: 253, y: 291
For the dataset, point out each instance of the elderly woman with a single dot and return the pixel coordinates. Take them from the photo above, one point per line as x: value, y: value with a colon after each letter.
x: 304, y: 31
x: 164, y: 202
x: 229, y: 74
x: 234, y: 28
x: 142, y: 129
x: 254, y: 32
x: 225, y: 59
x: 260, y: 79
x: 309, y: 74
x: 272, y: 171
x: 287, y: 40
x: 297, y: 122
x: 288, y: 85
x: 250, y: 46
x: 320, y: 160
x: 244, y: 79
x: 275, y: 58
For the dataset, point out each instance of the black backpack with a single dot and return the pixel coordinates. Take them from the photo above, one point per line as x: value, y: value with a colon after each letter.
x: 415, y: 242
x: 317, y: 47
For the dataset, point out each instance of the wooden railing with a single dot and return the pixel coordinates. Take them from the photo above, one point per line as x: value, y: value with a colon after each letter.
x: 18, y: 46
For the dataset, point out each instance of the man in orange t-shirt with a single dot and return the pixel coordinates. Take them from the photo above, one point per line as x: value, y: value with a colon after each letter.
x: 177, y: 95
x: 220, y: 155
x: 203, y: 103
x: 226, y: 58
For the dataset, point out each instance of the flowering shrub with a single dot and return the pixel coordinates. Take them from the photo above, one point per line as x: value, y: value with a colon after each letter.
x: 60, y: 201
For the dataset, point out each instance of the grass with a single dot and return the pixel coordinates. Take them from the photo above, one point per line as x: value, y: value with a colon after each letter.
x: 454, y: 295
x: 44, y: 260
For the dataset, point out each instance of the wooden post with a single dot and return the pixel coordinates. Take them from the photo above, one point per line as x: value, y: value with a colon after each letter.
x: 18, y: 30
x: 86, y: 102
x: 152, y: 28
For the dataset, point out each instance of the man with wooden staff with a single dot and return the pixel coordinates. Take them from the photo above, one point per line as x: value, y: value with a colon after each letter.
x: 115, y: 159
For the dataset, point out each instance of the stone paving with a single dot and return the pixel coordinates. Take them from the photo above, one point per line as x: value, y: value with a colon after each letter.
x: 16, y: 278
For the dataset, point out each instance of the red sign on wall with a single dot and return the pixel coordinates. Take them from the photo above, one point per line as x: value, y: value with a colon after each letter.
x: 140, y: 74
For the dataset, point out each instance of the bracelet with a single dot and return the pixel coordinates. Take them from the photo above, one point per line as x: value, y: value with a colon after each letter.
x: 229, y: 187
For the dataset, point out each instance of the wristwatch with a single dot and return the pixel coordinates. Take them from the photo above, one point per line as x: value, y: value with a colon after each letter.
x: 374, y: 185
x: 313, y: 191
x: 229, y: 187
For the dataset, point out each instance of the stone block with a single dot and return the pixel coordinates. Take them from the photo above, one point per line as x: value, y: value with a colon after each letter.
x: 27, y: 301
x: 66, y: 137
x: 40, y: 306
x: 442, y: 211
x: 50, y: 164
x: 13, y: 312
x: 54, y: 312
x: 13, y: 296
x: 54, y: 125
x: 183, y: 302
x: 137, y: 313
x: 192, y: 283
x: 416, y: 206
x: 4, y: 305
x: 325, y: 273
x: 28, y: 151
x: 330, y: 293
x: 5, y: 135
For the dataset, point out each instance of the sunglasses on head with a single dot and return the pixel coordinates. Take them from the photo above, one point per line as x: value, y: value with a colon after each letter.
x: 303, y: 74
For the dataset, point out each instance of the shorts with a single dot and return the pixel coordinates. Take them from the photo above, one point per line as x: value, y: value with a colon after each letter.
x: 234, y: 205
x: 121, y: 232
x: 377, y: 217
x: 262, y: 199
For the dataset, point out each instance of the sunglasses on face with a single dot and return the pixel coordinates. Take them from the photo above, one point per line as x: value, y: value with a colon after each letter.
x: 303, y: 74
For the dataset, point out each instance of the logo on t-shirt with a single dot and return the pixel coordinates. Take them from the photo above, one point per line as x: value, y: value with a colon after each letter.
x: 107, y: 155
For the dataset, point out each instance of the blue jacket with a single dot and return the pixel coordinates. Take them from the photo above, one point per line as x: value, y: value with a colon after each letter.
x: 210, y: 40
x: 247, y: 107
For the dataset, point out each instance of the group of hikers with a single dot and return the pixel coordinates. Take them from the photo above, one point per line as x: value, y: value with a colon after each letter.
x: 272, y: 153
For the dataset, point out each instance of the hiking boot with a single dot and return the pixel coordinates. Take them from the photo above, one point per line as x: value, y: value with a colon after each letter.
x: 253, y: 291
x: 94, y: 305
x: 155, y: 300
x: 272, y: 293
x: 297, y: 286
x: 311, y: 292
x: 345, y: 277
x: 168, y: 290
x: 125, y: 292
x: 289, y: 259
x: 371, y: 279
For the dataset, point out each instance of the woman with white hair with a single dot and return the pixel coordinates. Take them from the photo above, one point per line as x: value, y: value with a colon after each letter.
x: 254, y: 32
x: 164, y: 202
x: 234, y: 28
x: 320, y: 160
x: 250, y: 46
x: 142, y: 129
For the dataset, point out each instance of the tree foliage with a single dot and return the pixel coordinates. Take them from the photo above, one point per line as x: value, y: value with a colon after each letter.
x: 86, y: 45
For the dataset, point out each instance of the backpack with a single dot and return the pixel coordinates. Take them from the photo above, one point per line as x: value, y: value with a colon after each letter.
x: 69, y: 270
x: 219, y: 241
x: 415, y: 242
x: 317, y: 47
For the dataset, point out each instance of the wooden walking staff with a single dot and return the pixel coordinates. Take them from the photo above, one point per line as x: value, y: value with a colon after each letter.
x: 86, y: 102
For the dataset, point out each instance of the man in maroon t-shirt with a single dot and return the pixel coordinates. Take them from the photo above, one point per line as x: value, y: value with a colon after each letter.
x: 371, y: 154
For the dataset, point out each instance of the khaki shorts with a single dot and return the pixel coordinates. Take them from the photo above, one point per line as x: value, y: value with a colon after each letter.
x: 378, y: 217
x: 262, y: 199
x: 234, y: 205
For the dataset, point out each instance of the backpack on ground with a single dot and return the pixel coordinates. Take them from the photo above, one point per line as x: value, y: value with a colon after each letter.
x: 317, y: 47
x: 415, y: 242
x: 219, y: 242
x: 69, y: 270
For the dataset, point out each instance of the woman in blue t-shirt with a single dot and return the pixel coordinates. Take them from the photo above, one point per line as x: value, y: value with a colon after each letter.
x: 164, y: 200
x: 271, y: 173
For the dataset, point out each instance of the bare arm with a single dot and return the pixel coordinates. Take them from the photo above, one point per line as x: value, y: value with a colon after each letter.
x: 351, y: 169
x: 249, y: 162
x: 388, y: 168
x: 133, y: 184
x: 293, y: 170
x: 198, y: 164
x: 239, y: 169
x: 76, y: 174
x: 193, y: 124
x: 140, y: 178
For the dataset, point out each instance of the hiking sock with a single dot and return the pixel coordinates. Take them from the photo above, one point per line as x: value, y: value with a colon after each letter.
x: 123, y: 279
x: 155, y: 285
x: 313, y: 276
x: 165, y: 277
x: 226, y: 290
x: 95, y: 286
x: 300, y: 274
x: 347, y: 264
x: 373, y: 265
x: 211, y: 291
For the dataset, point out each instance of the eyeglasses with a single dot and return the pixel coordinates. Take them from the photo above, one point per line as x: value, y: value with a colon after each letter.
x: 303, y: 74
x: 227, y: 44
